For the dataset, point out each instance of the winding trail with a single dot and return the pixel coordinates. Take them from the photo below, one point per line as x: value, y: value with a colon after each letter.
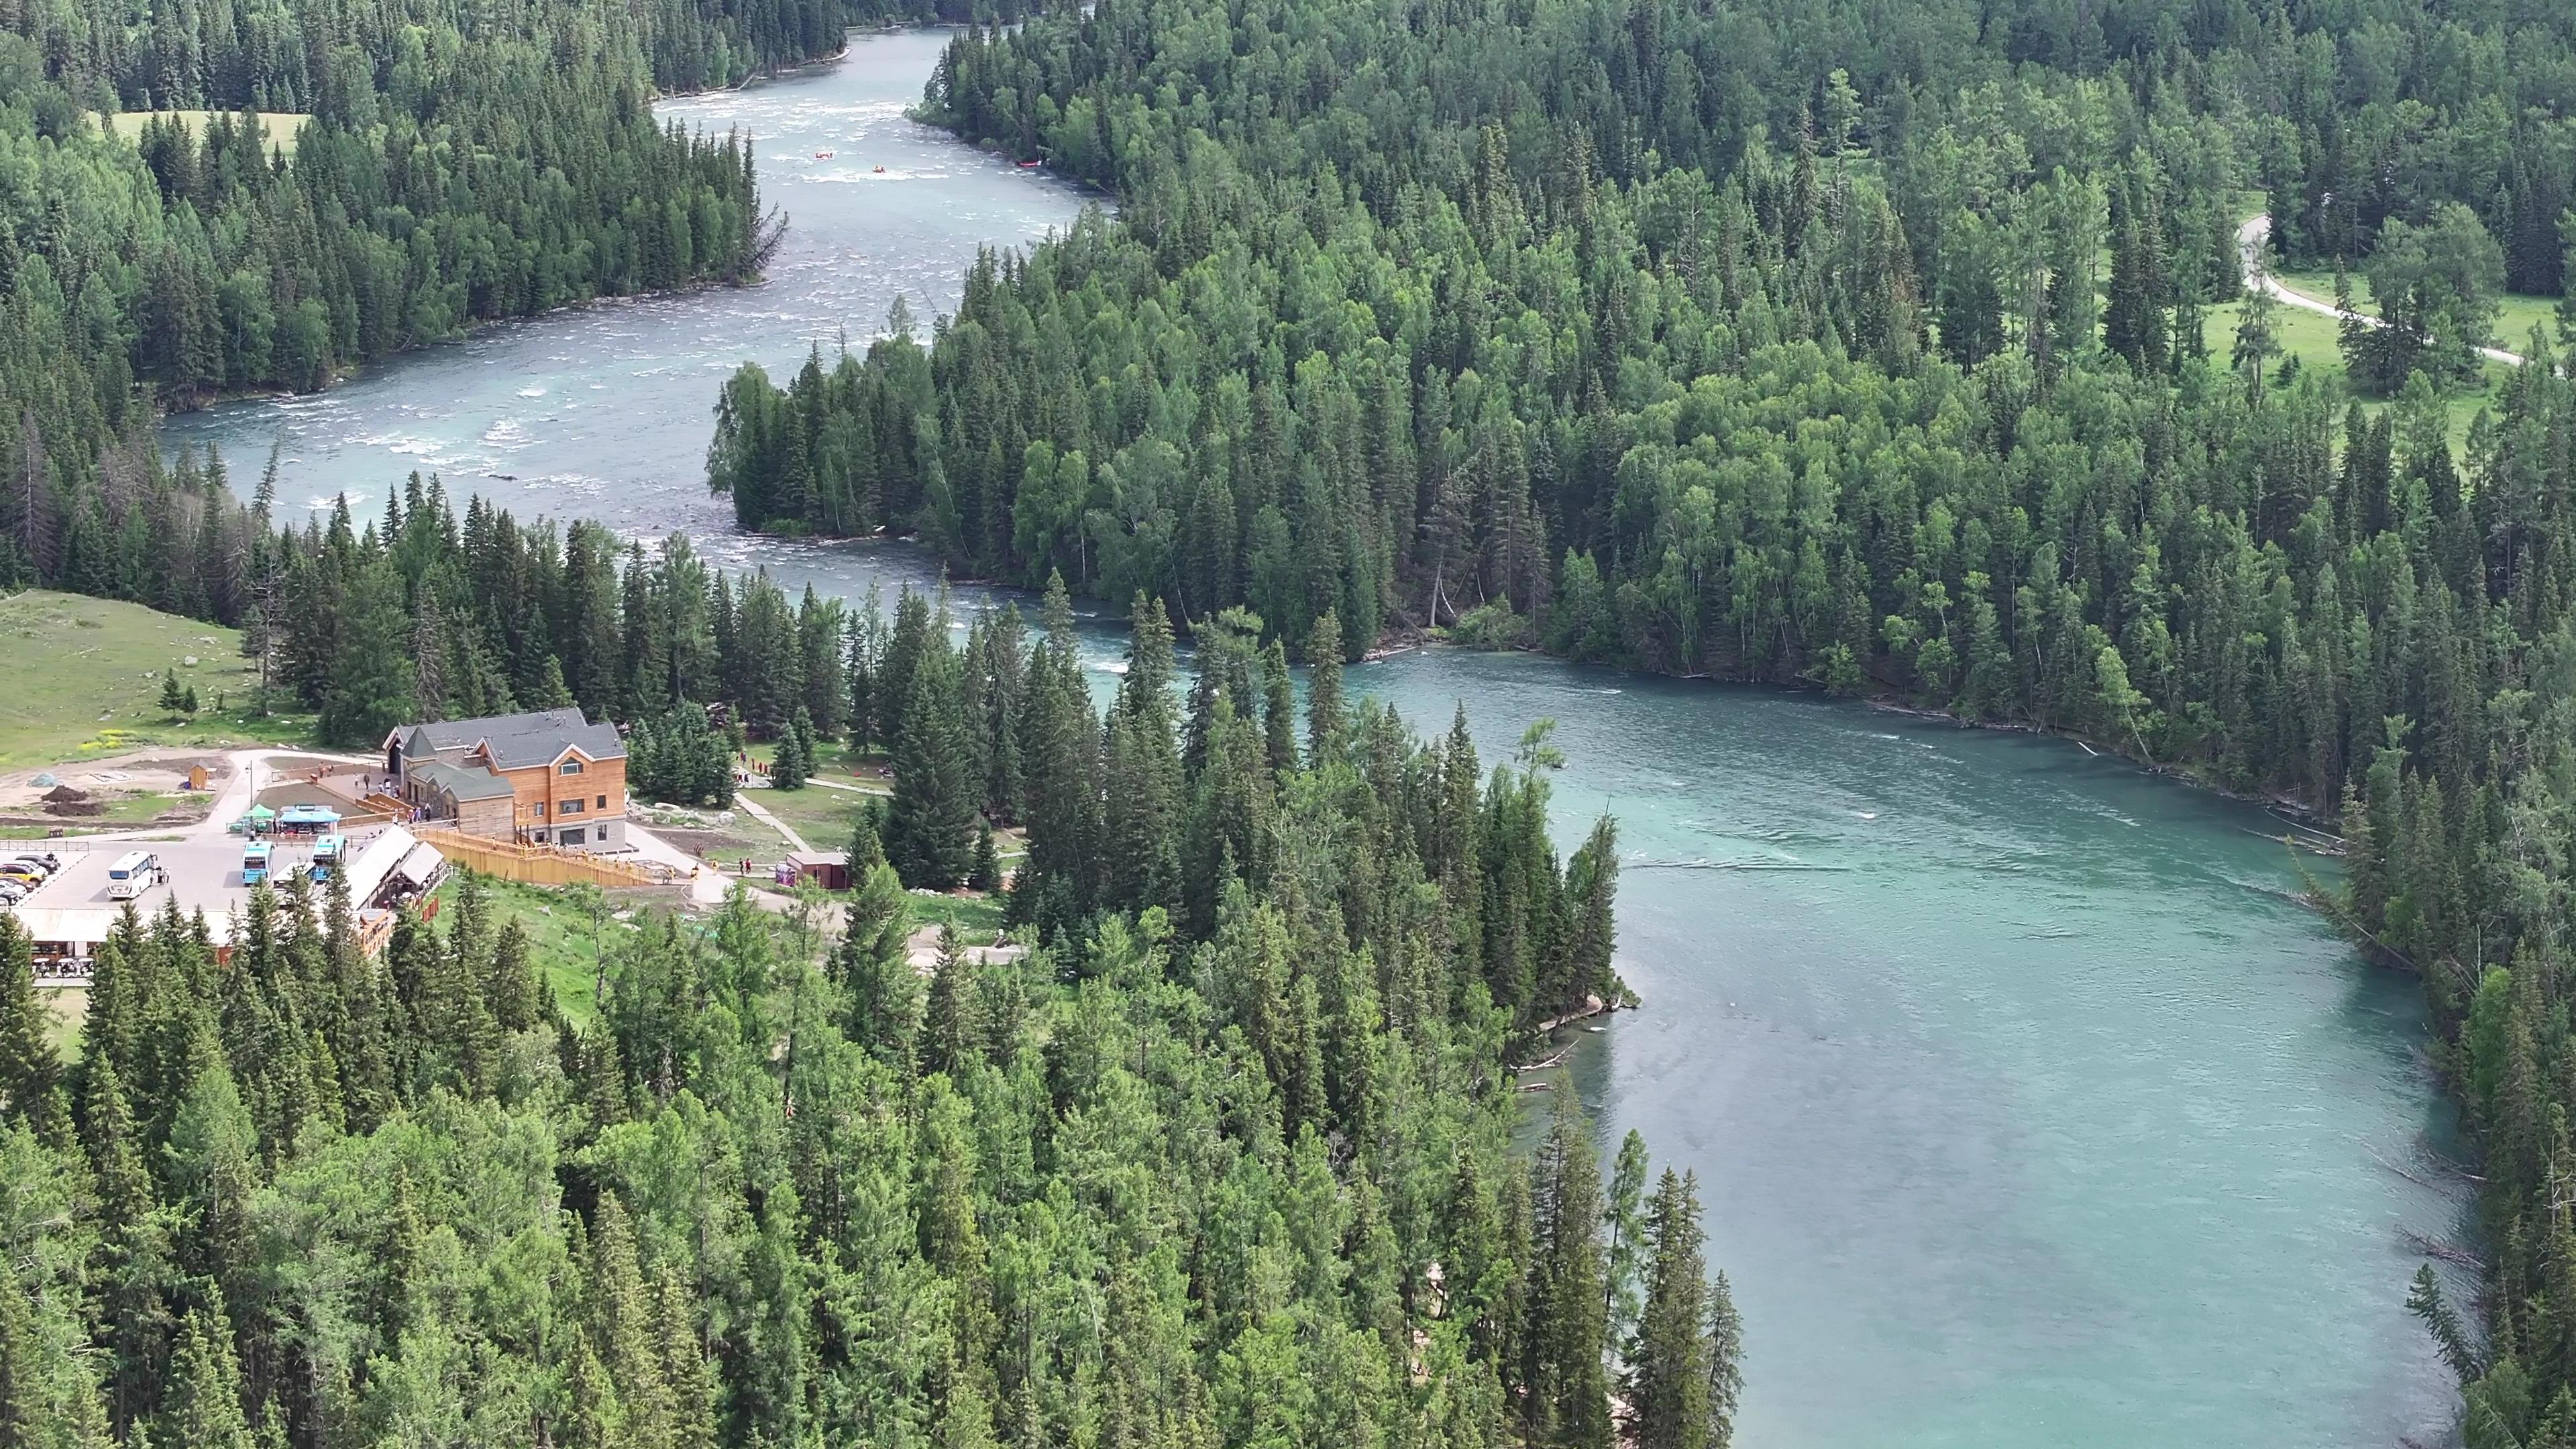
x: 2249, y: 249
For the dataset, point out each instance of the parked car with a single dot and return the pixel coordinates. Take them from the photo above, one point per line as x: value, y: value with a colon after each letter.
x: 27, y: 873
x: 12, y: 892
x: 38, y: 864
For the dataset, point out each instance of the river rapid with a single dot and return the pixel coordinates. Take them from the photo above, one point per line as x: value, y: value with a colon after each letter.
x: 2028, y: 1107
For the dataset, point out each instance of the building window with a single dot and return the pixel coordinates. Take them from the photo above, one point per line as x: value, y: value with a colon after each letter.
x: 538, y: 809
x: 572, y: 837
x: 569, y: 807
x: 571, y: 767
x: 603, y: 802
x: 541, y: 837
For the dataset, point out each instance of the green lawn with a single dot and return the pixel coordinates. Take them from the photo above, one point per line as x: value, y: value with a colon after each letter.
x: 979, y: 918
x: 68, y: 1004
x: 559, y: 934
x: 85, y: 682
x: 280, y: 126
x: 2516, y: 315
x: 2316, y: 340
x: 825, y: 817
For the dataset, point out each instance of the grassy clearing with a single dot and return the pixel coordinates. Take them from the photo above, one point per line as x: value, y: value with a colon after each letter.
x: 979, y: 918
x: 69, y: 1004
x: 85, y: 682
x: 559, y: 934
x: 2316, y: 340
x: 826, y: 818
x: 2516, y: 315
x: 280, y: 126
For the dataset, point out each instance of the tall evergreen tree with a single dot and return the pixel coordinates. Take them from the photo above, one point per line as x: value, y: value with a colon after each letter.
x: 930, y: 826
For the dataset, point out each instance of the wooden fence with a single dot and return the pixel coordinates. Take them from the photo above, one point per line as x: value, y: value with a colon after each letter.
x: 542, y: 864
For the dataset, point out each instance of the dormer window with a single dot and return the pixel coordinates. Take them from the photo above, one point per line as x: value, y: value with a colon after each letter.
x: 571, y: 767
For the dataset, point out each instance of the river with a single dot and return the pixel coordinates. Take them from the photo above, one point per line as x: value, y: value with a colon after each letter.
x: 2028, y: 1107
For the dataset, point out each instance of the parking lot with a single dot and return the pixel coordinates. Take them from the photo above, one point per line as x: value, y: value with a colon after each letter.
x: 73, y: 911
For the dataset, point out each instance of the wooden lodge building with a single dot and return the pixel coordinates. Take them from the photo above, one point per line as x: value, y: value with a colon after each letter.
x: 544, y: 778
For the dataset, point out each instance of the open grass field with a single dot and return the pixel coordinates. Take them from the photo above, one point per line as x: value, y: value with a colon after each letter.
x: 825, y: 817
x: 2516, y: 314
x: 978, y: 918
x: 69, y: 1004
x: 85, y: 682
x: 2314, y: 339
x: 279, y: 126
x: 559, y: 931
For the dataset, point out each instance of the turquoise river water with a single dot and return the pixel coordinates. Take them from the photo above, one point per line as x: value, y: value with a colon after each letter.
x: 2030, y: 1109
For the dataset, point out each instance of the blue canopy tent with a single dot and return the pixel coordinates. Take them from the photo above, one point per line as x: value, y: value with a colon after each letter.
x: 307, y: 819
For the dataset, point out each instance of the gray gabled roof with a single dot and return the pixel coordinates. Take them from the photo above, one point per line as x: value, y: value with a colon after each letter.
x: 518, y: 740
x: 462, y: 784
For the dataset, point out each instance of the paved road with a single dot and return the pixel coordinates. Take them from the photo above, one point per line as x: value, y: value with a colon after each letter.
x: 2250, y: 239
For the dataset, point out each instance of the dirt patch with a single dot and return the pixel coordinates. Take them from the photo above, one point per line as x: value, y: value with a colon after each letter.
x: 142, y: 772
x: 716, y: 845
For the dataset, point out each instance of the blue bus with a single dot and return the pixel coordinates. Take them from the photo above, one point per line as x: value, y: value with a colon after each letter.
x: 327, y: 854
x: 255, y: 862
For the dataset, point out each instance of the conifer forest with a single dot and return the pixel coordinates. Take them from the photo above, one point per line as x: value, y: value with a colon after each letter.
x: 1903, y: 351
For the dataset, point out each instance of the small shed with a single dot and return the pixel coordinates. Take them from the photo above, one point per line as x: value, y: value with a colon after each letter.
x: 829, y: 869
x: 196, y: 777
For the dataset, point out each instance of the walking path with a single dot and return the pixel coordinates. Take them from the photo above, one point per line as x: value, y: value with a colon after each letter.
x: 761, y: 813
x: 2250, y: 241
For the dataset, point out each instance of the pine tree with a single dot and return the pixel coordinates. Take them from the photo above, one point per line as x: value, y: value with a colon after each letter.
x: 622, y: 1328
x: 788, y: 768
x: 1279, y: 708
x: 202, y: 1406
x: 685, y: 1366
x: 371, y: 679
x: 591, y: 1412
x: 929, y: 828
x: 874, y: 970
x: 1725, y: 1363
x: 30, y: 1072
x: 1324, y: 708
x: 1141, y: 785
x: 2425, y: 1300
x: 1625, y: 1260
x: 965, y: 1421
x: 1669, y: 1373
x: 953, y: 1028
x: 1568, y: 1401
x: 1059, y: 757
x: 172, y: 702
x: 986, y: 874
x: 510, y: 987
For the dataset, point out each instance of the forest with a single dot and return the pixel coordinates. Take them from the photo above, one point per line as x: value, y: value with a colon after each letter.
x: 1900, y: 354
x: 313, y: 187
x: 1894, y: 354
x: 1229, y: 1160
